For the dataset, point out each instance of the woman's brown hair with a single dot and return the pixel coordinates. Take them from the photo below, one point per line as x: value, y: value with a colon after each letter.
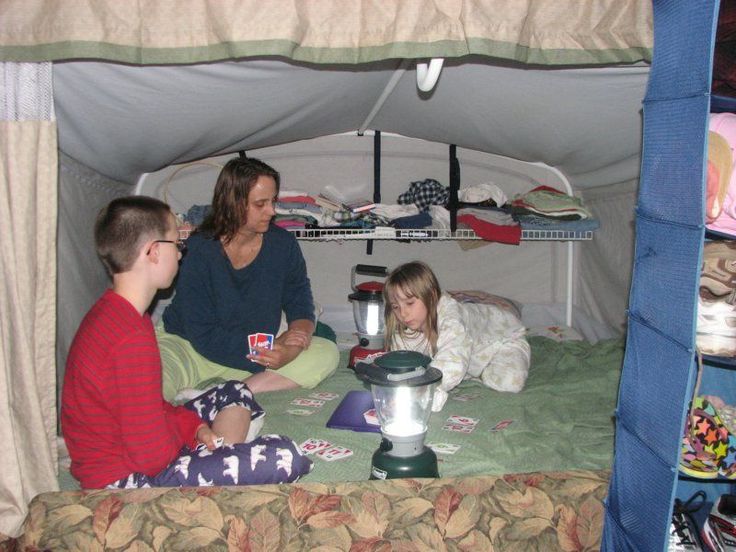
x: 230, y: 198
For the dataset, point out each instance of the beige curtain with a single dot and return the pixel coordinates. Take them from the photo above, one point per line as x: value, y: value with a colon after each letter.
x: 28, y: 210
x: 336, y: 31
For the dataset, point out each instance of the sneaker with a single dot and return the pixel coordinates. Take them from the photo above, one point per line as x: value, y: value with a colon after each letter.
x: 718, y: 274
x: 719, y: 529
x: 705, y: 444
x: 716, y: 327
x: 683, y: 530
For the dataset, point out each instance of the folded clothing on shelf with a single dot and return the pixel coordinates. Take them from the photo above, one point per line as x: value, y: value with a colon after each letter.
x: 549, y: 202
x: 483, y: 193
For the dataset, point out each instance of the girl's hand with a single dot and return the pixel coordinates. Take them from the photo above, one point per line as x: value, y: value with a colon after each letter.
x: 206, y: 436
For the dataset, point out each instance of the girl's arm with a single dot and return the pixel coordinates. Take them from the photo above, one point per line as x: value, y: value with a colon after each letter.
x: 453, y: 352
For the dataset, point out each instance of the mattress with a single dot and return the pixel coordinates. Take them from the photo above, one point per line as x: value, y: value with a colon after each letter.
x: 562, y: 420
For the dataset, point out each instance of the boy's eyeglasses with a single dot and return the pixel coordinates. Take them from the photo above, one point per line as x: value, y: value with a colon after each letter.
x: 180, y: 244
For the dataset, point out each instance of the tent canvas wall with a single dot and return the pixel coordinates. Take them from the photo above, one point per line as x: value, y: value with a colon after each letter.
x: 548, y: 85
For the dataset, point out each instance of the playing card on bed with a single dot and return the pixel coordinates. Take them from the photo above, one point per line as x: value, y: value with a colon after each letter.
x: 503, y: 424
x: 458, y: 428
x: 370, y: 416
x: 462, y: 420
x: 314, y: 403
x: 314, y: 445
x: 300, y: 412
x: 335, y: 452
x: 324, y: 395
x: 444, y: 448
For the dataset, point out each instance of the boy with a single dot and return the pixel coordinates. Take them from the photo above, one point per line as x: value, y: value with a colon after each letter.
x: 119, y: 430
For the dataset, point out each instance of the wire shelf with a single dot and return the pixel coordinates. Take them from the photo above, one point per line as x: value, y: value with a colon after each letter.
x: 419, y: 234
x: 428, y: 234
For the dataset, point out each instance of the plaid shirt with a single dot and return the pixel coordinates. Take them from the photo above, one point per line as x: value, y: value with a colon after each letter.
x: 425, y: 193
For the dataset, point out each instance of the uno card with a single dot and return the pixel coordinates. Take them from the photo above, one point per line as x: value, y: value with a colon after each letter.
x: 462, y: 420
x: 335, y: 452
x: 444, y: 448
x: 503, y: 424
x: 262, y: 340
x: 370, y: 416
x: 314, y: 403
x: 323, y: 396
x: 252, y: 340
x: 300, y: 412
x: 458, y: 428
x: 314, y: 445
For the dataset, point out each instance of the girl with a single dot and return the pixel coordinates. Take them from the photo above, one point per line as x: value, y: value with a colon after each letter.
x: 465, y: 340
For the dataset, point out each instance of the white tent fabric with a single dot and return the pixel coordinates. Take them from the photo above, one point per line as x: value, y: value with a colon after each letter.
x: 28, y: 159
x: 312, y: 69
x: 584, y: 122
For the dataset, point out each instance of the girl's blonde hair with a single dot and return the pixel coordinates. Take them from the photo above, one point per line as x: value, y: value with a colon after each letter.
x: 414, y: 279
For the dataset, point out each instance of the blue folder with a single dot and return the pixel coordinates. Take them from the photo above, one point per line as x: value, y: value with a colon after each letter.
x: 349, y: 413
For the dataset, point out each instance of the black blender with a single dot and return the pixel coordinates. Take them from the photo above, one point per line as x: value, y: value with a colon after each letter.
x: 367, y: 300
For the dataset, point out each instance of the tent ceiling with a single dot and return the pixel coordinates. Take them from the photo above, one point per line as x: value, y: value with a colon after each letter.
x: 126, y: 120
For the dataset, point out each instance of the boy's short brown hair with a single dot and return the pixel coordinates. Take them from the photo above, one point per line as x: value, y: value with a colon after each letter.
x: 124, y: 225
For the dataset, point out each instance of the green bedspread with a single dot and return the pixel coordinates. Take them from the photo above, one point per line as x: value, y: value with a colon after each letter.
x: 562, y: 420
x: 562, y: 429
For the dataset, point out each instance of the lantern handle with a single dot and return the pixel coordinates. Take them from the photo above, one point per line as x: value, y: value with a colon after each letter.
x: 418, y: 371
x: 366, y: 270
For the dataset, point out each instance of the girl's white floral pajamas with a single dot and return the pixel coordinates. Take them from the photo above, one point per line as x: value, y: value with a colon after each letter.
x: 475, y: 341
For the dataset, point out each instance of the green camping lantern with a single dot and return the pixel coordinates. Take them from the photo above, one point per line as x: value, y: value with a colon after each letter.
x: 402, y: 385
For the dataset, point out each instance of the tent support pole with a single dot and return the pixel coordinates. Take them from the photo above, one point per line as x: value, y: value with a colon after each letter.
x: 392, y: 82
x: 454, y: 187
x: 376, y: 179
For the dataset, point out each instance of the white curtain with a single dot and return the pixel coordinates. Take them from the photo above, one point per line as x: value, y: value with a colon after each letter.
x: 28, y: 213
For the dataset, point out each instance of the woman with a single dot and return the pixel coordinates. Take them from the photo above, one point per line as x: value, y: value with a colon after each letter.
x: 240, y: 272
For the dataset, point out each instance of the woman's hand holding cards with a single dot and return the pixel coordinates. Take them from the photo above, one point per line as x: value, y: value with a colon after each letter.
x: 272, y: 354
x: 277, y: 357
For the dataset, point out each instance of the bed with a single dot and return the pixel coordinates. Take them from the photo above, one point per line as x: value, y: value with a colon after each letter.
x: 537, y: 482
x: 561, y: 421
